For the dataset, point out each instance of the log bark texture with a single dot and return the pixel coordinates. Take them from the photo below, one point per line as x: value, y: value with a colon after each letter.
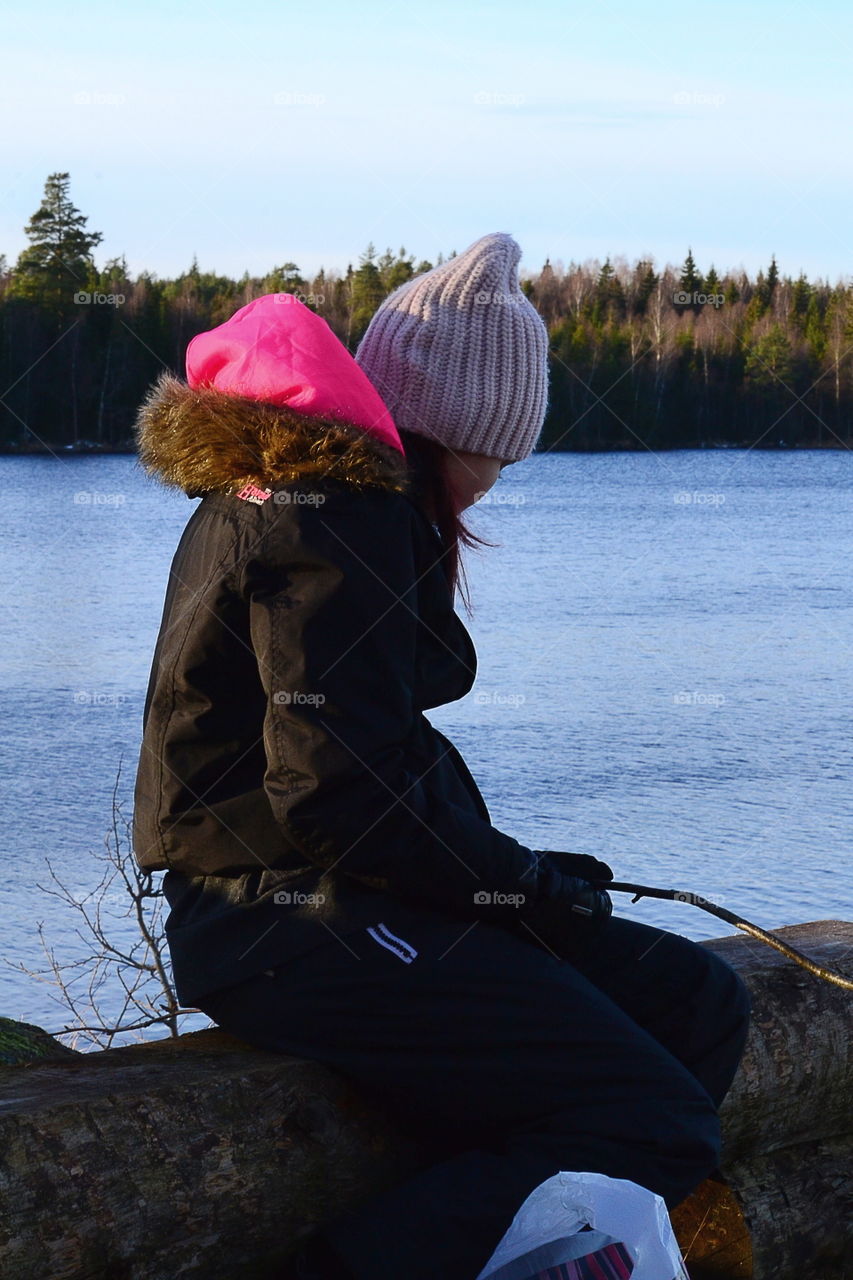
x: 205, y: 1158
x: 788, y: 1119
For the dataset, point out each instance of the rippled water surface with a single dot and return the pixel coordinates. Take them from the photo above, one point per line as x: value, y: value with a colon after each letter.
x: 664, y: 676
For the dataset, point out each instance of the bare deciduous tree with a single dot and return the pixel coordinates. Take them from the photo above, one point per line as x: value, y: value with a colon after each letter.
x: 131, y: 975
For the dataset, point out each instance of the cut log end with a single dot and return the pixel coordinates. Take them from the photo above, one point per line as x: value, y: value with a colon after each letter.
x: 712, y: 1234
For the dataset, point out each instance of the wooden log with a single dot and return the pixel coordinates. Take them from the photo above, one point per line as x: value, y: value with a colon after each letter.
x: 788, y: 1119
x: 22, y: 1042
x: 795, y: 1082
x: 203, y: 1157
x: 197, y: 1156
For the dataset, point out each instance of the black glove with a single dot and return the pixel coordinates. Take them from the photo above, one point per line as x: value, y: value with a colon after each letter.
x: 582, y: 865
x: 575, y: 916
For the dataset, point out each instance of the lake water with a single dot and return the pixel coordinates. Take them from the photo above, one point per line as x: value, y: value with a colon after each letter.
x: 665, y: 654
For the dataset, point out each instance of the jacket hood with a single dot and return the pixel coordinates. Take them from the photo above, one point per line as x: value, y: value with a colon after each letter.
x: 204, y: 441
x: 271, y: 397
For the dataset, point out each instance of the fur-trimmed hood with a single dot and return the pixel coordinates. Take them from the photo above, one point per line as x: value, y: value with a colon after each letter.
x: 203, y: 440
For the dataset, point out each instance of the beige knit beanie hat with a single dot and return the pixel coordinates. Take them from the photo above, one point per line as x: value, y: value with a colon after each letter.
x: 459, y: 354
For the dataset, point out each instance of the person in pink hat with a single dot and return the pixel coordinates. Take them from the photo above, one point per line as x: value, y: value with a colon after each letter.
x: 337, y: 888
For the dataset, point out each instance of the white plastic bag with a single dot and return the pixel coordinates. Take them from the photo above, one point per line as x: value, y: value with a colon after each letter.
x: 544, y: 1231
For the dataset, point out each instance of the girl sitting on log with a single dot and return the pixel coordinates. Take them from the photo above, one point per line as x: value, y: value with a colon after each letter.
x: 337, y: 889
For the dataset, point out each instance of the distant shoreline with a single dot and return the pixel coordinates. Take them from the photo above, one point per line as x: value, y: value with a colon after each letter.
x: 81, y: 447
x: 85, y: 449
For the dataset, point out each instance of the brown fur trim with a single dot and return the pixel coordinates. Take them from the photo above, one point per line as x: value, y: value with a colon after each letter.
x: 204, y: 440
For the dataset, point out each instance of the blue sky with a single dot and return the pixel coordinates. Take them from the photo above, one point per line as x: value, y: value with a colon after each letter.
x: 259, y: 133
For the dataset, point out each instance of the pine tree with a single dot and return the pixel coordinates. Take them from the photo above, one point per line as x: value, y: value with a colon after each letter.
x: 800, y: 297
x: 769, y: 360
x: 58, y: 262
x: 114, y: 277
x: 646, y: 282
x: 759, y: 301
x: 402, y: 268
x: 772, y: 277
x: 285, y: 279
x: 367, y: 293
x: 605, y: 279
x: 815, y: 327
x: 765, y: 287
x: 385, y: 263
x: 609, y: 296
x: 690, y: 280
x: 319, y: 293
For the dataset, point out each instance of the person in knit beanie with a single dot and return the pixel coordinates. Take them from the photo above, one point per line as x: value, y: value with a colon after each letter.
x: 460, y: 355
x: 338, y: 891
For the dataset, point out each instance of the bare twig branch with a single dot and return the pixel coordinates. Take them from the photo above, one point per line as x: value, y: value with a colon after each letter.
x: 137, y: 973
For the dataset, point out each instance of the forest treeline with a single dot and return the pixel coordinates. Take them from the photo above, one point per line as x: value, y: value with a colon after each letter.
x: 641, y: 356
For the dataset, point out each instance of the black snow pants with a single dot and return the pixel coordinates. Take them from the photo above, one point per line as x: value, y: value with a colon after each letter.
x: 522, y: 1064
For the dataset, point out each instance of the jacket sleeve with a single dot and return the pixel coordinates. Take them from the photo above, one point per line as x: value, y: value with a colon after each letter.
x: 334, y: 625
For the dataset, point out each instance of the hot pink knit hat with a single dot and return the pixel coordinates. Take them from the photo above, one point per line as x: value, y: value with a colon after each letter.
x: 461, y: 355
x: 278, y: 350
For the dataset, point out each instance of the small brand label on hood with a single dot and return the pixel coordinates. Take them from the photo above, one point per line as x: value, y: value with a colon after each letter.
x: 251, y: 493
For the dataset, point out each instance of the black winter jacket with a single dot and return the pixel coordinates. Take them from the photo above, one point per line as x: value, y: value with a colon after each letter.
x: 288, y: 779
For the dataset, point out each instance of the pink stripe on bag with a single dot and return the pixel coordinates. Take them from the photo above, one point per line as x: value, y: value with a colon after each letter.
x: 613, y: 1262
